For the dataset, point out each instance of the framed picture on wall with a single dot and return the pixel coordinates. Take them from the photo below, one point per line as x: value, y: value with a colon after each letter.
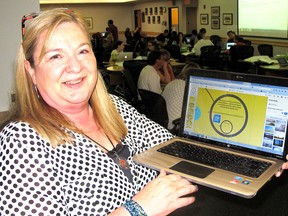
x: 161, y: 10
x: 215, y: 11
x: 143, y: 16
x: 158, y: 19
x: 155, y: 10
x: 227, y: 19
x: 215, y: 23
x: 204, y: 19
x: 89, y: 22
x: 153, y: 20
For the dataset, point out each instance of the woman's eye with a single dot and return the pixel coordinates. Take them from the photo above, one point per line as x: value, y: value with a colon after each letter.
x: 84, y: 51
x: 55, y: 56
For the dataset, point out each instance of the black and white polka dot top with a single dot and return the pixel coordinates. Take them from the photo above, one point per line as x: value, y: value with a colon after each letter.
x: 36, y: 179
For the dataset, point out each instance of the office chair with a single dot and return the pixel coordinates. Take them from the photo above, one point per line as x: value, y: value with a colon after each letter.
x: 237, y: 54
x: 209, y: 57
x: 216, y: 39
x: 247, y: 42
x: 155, y: 107
x: 135, y: 67
x: 265, y: 49
x: 174, y: 51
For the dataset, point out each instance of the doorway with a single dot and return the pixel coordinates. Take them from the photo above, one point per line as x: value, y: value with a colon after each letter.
x: 191, y: 19
x: 173, y: 19
x: 137, y: 19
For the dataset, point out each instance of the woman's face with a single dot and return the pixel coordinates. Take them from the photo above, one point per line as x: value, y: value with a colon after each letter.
x: 121, y: 47
x: 67, y: 74
x: 150, y: 46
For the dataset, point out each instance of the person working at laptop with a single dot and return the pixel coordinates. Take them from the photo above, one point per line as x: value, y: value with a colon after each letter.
x: 67, y: 146
x: 152, y: 74
x: 118, y: 48
x: 200, y: 43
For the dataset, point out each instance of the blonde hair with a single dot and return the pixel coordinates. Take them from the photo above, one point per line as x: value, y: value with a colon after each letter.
x: 184, y: 72
x: 47, y: 121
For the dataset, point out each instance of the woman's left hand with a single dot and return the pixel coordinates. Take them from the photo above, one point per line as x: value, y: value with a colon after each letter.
x: 283, y: 167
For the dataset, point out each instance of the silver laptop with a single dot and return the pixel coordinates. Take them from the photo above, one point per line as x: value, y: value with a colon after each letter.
x: 242, y: 118
x: 124, y: 56
x: 282, y: 61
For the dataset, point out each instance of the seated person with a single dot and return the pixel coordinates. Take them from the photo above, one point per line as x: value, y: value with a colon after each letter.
x: 163, y: 38
x: 200, y: 43
x: 150, y: 76
x: 180, y: 39
x: 193, y: 37
x: 128, y: 36
x: 173, y: 40
x: 202, y: 32
x: 67, y: 145
x: 108, y: 41
x: 98, y: 48
x: 164, y: 79
x: 174, y: 92
x: 151, y: 46
x: 231, y: 36
x: 118, y: 48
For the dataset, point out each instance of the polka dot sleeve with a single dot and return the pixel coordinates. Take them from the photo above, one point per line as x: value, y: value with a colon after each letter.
x: 27, y: 186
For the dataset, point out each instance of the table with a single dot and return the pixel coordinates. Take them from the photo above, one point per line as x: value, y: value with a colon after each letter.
x: 271, y: 200
x: 274, y: 70
x: 115, y: 68
x: 115, y: 74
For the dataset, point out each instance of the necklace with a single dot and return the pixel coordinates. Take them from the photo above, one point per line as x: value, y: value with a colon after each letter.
x: 118, y: 154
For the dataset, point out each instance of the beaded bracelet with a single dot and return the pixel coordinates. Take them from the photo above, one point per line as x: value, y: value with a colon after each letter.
x: 134, y: 208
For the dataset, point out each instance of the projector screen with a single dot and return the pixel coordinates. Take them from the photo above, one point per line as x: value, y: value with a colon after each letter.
x: 263, y: 18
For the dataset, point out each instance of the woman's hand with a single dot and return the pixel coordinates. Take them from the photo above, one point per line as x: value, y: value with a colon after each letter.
x: 165, y: 194
x: 283, y: 167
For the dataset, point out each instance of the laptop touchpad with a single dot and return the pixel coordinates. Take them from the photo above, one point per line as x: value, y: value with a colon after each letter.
x: 192, y: 169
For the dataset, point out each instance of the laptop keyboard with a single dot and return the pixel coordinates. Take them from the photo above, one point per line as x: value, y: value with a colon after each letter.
x: 218, y: 159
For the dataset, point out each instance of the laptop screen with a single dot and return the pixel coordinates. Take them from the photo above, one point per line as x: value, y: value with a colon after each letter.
x: 237, y: 111
x: 229, y: 44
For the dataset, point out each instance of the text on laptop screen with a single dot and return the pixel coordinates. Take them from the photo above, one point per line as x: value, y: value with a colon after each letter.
x: 239, y: 113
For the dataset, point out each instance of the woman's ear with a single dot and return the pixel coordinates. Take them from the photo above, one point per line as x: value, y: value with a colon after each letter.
x: 30, y: 70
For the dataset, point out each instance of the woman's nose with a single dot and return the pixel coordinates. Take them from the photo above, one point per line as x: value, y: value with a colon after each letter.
x: 73, y: 64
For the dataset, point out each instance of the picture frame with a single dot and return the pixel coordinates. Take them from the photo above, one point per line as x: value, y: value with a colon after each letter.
x: 215, y: 11
x: 204, y: 19
x: 89, y: 22
x: 158, y: 20
x: 215, y: 23
x: 161, y: 10
x: 155, y: 10
x: 143, y: 17
x: 227, y: 19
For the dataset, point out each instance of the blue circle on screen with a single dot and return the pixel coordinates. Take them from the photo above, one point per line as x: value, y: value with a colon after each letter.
x: 197, y: 113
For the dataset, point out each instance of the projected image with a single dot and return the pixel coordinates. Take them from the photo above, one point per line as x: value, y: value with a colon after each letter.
x: 263, y: 18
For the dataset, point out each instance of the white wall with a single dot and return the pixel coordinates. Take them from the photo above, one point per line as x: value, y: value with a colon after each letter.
x: 11, y: 13
x: 121, y: 14
x: 226, y: 6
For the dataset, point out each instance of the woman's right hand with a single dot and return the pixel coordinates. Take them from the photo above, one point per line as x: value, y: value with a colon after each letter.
x: 165, y: 194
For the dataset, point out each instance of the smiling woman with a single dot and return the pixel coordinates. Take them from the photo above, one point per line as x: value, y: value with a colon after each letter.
x: 67, y: 145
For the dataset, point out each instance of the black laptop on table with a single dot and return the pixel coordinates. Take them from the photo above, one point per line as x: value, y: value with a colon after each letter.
x: 282, y: 61
x: 233, y: 134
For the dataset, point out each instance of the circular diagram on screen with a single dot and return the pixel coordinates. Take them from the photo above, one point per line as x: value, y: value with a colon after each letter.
x: 228, y: 115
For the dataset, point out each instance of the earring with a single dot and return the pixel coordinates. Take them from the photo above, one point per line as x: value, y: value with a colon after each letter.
x: 36, y: 91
